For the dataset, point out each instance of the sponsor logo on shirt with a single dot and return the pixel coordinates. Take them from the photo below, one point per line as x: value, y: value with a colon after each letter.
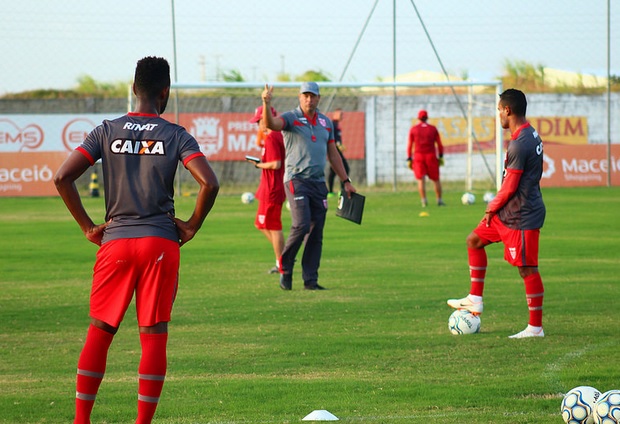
x: 138, y: 147
x: 138, y: 127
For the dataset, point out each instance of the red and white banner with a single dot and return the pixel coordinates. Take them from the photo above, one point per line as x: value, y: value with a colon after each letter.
x: 32, y: 147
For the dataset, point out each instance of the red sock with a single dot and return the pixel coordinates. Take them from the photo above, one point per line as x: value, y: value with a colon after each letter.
x: 534, y: 292
x: 91, y: 368
x: 151, y: 374
x: 477, y: 270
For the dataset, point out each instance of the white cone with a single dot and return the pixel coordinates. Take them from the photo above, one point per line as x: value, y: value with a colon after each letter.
x: 320, y: 415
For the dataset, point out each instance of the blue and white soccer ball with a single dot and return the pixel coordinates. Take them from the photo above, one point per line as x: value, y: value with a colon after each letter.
x: 607, y: 409
x: 468, y: 198
x: 247, y: 197
x: 578, y: 405
x: 488, y: 197
x: 463, y: 322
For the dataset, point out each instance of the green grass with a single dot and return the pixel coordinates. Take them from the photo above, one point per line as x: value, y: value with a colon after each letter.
x: 374, y: 348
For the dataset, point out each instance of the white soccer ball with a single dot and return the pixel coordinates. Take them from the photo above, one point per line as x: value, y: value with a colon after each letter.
x: 468, y: 198
x: 463, y: 322
x: 247, y: 197
x: 607, y: 408
x: 488, y: 197
x: 578, y: 405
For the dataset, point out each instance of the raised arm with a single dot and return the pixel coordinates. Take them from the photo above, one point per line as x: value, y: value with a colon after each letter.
x: 274, y: 123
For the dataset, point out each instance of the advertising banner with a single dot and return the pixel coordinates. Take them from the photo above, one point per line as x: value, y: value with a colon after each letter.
x: 32, y: 147
x: 574, y: 166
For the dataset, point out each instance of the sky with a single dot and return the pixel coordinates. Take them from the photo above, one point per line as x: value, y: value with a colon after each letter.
x: 49, y: 44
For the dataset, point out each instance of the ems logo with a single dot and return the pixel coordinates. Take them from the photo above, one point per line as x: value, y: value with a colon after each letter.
x: 138, y: 147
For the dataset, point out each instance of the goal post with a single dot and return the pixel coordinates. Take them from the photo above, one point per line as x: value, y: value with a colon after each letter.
x: 385, y: 108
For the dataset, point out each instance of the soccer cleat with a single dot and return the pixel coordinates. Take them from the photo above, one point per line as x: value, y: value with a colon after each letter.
x: 286, y: 281
x: 424, y: 203
x: 314, y: 287
x: 466, y: 304
x: 274, y: 270
x: 529, y: 332
x: 440, y: 203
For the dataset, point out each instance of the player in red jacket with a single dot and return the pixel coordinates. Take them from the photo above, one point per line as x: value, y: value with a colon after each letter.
x: 424, y: 158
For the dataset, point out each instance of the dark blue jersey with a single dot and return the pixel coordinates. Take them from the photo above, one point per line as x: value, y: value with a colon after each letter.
x: 139, y: 155
x: 525, y: 210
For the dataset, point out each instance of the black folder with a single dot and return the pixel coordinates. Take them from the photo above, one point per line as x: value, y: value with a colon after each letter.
x: 351, y: 209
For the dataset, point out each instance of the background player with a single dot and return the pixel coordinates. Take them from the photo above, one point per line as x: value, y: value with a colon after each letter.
x: 514, y: 217
x: 270, y: 193
x: 141, y: 237
x: 423, y: 158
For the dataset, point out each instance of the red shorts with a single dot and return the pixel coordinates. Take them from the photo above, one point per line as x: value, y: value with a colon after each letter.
x: 148, y: 266
x: 426, y: 164
x: 520, y: 246
x: 269, y: 216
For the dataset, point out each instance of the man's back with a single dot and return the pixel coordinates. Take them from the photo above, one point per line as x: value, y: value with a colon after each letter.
x: 423, y: 136
x: 139, y: 154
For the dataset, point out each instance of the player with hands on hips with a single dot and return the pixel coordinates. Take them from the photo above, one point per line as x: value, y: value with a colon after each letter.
x: 141, y: 238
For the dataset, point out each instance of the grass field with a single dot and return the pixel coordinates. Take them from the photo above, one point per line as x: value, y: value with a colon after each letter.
x: 374, y: 348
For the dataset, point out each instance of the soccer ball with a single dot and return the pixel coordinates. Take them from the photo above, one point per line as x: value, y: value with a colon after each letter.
x: 247, y: 197
x: 607, y: 409
x: 468, y: 198
x: 463, y: 322
x: 578, y: 404
x: 488, y: 197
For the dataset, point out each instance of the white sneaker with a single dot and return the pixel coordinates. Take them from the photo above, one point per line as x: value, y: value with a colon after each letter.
x: 467, y: 304
x: 529, y: 332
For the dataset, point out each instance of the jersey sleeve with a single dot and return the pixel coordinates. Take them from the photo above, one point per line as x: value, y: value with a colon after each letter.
x: 516, y: 156
x: 288, y: 118
x: 91, y: 147
x: 439, y: 144
x: 188, y: 147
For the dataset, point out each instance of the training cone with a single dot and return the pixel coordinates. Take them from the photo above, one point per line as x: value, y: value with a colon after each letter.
x: 320, y: 415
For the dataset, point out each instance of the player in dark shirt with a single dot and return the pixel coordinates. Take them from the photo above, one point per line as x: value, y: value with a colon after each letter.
x: 141, y: 237
x: 514, y: 217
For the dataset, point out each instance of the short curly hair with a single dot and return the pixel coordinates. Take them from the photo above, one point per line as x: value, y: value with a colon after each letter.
x: 152, y: 76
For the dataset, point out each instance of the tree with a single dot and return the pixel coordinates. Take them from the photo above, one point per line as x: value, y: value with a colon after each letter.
x: 311, y: 75
x: 233, y: 76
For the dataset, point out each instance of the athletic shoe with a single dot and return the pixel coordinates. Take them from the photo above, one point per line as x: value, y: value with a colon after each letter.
x: 528, y: 332
x: 465, y: 303
x: 286, y: 281
x: 424, y: 203
x: 440, y: 203
x: 274, y: 270
x: 314, y: 287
